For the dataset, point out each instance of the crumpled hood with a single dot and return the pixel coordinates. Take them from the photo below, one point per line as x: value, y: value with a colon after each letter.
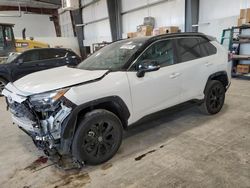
x: 55, y: 78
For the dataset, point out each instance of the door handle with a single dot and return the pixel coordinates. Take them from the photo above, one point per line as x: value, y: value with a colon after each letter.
x: 174, y: 75
x: 208, y: 64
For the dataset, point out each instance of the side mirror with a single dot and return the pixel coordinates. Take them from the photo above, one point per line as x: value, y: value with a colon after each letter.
x: 147, y: 66
x: 19, y: 61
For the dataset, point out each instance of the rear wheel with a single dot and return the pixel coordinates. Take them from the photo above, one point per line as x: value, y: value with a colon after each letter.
x: 97, y: 138
x: 214, y: 97
x: 3, y: 83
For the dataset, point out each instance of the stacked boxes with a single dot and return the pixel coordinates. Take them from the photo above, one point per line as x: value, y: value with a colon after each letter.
x: 243, y: 69
x: 244, y: 17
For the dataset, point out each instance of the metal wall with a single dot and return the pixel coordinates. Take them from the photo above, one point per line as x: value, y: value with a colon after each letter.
x: 97, y: 28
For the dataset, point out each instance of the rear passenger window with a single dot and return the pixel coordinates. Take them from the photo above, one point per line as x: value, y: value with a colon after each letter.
x: 194, y: 48
x: 51, y: 54
x: 30, y: 56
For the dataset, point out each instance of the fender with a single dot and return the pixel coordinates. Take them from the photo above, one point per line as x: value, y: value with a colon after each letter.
x: 69, y: 125
x: 221, y: 75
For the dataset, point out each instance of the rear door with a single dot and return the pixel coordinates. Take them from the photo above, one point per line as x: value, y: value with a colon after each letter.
x: 195, y: 54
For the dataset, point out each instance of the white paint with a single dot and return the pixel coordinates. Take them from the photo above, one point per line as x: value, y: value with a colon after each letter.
x: 169, y: 13
x: 55, y: 78
x: 36, y: 25
x: 221, y: 14
x: 161, y: 89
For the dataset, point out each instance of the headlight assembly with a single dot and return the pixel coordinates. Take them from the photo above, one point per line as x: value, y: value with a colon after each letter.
x: 46, y: 101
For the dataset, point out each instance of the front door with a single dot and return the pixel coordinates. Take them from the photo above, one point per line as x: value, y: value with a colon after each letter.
x: 159, y: 89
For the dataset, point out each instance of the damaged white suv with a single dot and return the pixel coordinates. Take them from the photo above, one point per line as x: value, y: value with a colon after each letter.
x: 82, y: 111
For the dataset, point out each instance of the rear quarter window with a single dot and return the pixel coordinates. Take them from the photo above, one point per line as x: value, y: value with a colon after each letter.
x: 207, y: 48
x: 192, y: 48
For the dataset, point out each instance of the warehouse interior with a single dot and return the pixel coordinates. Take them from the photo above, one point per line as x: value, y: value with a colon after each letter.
x: 176, y: 147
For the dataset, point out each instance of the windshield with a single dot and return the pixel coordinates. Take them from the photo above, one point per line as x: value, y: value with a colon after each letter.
x: 12, y: 56
x: 113, y: 56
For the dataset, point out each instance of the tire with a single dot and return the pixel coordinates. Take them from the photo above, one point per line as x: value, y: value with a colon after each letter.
x: 3, y: 83
x: 97, y: 138
x: 214, y: 98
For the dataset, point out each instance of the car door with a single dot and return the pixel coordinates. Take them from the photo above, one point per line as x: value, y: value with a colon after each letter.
x: 159, y: 89
x: 25, y: 64
x: 196, y: 64
x: 51, y: 58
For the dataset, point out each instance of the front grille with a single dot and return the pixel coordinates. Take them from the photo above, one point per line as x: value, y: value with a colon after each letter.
x: 21, y: 111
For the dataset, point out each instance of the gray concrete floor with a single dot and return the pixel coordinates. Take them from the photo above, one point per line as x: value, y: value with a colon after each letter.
x: 183, y: 148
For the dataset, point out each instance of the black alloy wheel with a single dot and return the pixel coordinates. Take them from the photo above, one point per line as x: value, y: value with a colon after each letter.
x: 214, y: 97
x: 98, y: 137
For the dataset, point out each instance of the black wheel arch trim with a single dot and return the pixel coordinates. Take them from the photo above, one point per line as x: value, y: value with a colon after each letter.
x: 216, y: 74
x: 70, y: 123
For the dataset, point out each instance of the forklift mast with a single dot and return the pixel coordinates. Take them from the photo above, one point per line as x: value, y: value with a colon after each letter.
x: 7, y: 39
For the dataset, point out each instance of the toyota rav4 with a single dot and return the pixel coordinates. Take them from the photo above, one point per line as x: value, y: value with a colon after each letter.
x: 81, y: 111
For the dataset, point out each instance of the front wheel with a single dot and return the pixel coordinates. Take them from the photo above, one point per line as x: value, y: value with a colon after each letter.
x: 214, y: 97
x: 97, y: 138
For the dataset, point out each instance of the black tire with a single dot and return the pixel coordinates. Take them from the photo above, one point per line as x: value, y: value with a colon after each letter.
x: 97, y: 138
x: 214, y: 97
x: 3, y: 83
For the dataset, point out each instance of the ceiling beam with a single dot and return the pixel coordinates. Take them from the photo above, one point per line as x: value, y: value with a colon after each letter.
x: 52, y: 2
x: 30, y: 9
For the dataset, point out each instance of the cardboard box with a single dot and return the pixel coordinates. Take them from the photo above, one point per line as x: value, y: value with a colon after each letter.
x: 132, y: 34
x: 145, y: 30
x: 243, y: 69
x: 171, y: 29
x: 247, y: 17
x: 241, y: 21
x: 242, y: 13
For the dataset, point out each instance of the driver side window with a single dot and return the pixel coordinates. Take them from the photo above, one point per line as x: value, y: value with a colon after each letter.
x: 162, y: 52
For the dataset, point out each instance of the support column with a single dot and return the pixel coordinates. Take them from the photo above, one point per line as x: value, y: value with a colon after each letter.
x: 78, y: 20
x: 191, y: 15
x: 114, y: 11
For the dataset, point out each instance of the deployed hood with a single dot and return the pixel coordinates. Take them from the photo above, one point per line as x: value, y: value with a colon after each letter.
x: 56, y: 78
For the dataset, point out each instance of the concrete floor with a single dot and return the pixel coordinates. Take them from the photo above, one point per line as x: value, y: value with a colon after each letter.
x: 177, y: 149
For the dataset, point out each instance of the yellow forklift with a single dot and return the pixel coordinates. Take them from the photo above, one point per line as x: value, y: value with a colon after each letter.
x: 9, y: 44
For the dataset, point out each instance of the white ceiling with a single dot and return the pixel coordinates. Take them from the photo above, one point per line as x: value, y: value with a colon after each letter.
x: 27, y: 3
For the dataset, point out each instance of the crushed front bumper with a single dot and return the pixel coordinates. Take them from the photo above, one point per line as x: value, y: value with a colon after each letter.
x: 44, y: 128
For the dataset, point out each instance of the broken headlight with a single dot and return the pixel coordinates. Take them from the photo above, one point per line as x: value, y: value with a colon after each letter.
x: 48, y: 100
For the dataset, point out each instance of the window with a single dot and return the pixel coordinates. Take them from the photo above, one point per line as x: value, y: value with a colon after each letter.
x: 207, y: 48
x: 30, y: 56
x: 51, y: 54
x: 8, y: 34
x: 161, y: 51
x: 194, y: 48
x: 188, y: 49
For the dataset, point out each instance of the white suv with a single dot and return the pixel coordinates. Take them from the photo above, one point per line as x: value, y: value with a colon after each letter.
x: 82, y: 111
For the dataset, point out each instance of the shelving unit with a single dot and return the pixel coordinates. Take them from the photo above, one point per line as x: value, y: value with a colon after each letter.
x: 237, y: 40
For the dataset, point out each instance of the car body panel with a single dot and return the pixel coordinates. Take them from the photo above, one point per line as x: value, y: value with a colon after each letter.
x: 55, y: 78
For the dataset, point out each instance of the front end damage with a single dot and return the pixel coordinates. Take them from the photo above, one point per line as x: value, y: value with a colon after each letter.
x: 41, y: 117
